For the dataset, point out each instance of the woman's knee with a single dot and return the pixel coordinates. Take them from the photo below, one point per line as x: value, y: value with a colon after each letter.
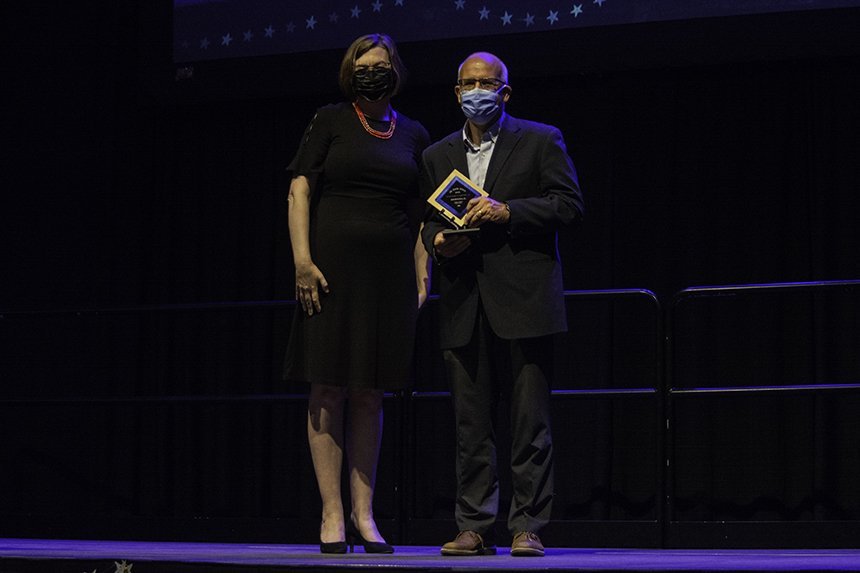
x: 325, y: 396
x: 366, y: 399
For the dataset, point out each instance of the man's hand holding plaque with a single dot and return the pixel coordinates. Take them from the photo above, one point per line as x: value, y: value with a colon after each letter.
x: 487, y: 210
x: 453, y: 198
x: 465, y: 206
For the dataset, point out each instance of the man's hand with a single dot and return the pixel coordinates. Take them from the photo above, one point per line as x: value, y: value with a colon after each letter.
x: 450, y: 246
x: 486, y: 210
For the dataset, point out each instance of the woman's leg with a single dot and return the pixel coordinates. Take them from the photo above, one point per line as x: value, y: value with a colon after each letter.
x: 363, y: 441
x: 325, y: 436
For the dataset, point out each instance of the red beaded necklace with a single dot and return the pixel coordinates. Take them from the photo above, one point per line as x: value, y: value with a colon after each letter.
x: 370, y: 130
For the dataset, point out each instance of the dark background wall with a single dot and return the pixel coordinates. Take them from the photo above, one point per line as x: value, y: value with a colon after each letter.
x: 717, y: 151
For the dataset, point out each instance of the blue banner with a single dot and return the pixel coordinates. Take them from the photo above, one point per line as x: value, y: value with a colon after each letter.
x: 215, y: 29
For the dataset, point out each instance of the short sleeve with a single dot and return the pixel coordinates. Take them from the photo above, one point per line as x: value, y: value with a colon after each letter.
x: 314, y: 146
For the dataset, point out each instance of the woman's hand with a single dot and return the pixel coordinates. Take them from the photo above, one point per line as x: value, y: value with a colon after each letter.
x: 422, y: 269
x: 309, y: 281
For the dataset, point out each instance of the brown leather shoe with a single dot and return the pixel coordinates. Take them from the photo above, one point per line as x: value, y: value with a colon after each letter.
x: 527, y: 544
x: 467, y: 543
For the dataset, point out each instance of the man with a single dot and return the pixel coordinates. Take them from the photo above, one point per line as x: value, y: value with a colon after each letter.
x: 501, y: 299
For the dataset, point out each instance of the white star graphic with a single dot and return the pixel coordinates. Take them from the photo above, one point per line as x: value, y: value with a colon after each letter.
x: 577, y: 10
x: 398, y: 2
x: 291, y: 27
x: 247, y: 36
x: 506, y: 19
x: 599, y: 2
x: 204, y: 44
x: 553, y: 17
x: 332, y: 17
x: 225, y: 40
x: 529, y: 19
x: 310, y: 23
x: 460, y: 4
x: 485, y: 14
x: 356, y: 11
x: 269, y: 31
x: 377, y: 6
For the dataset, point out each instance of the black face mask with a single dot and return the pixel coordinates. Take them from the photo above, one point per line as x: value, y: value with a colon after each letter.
x: 372, y: 83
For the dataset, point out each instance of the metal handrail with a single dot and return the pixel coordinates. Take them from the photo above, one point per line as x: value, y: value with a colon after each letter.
x: 151, y: 308
x: 560, y: 393
x: 799, y: 388
x: 671, y: 394
x: 698, y: 292
x: 226, y: 305
x: 600, y: 293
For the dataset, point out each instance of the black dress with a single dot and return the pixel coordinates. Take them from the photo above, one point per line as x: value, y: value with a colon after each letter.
x: 363, y: 227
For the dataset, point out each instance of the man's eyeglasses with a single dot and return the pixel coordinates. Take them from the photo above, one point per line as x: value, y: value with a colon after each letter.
x: 467, y: 84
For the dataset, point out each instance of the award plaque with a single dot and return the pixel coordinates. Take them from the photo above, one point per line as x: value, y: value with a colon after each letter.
x: 452, y: 197
x: 469, y: 232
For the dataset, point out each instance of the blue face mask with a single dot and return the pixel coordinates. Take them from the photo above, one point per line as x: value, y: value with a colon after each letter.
x: 480, y: 105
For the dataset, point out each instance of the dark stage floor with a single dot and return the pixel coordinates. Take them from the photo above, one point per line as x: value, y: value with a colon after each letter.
x: 61, y: 556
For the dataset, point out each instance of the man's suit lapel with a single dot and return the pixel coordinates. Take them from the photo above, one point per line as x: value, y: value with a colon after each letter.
x: 456, y: 153
x: 509, y: 136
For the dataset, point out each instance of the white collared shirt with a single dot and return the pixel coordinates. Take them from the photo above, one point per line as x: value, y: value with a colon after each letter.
x: 478, y: 157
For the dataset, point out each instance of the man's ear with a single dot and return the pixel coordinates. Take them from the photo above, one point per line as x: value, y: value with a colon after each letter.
x: 506, y: 93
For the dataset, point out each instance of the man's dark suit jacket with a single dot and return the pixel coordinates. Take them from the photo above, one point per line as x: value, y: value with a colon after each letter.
x: 513, y: 270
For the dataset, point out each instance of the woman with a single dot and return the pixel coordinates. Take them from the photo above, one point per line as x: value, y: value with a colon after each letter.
x: 361, y: 276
